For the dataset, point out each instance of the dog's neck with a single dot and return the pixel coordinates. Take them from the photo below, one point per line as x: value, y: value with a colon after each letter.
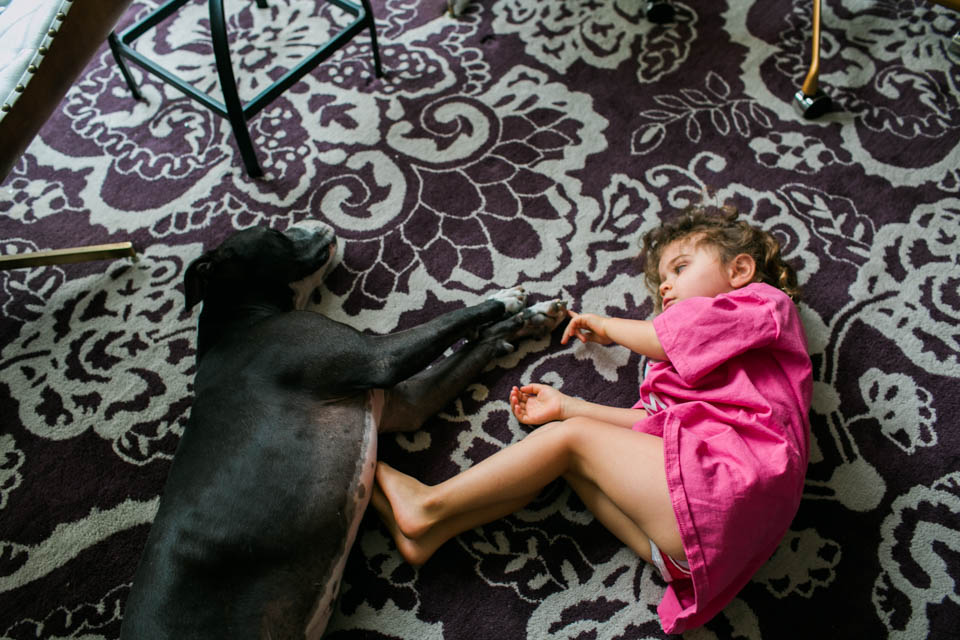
x: 217, y: 321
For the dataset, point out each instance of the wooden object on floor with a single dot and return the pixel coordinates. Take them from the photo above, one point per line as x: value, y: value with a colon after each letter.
x: 76, y: 36
x: 67, y: 256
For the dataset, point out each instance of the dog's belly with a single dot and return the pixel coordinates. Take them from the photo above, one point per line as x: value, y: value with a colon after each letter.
x: 360, y: 491
x: 286, y: 502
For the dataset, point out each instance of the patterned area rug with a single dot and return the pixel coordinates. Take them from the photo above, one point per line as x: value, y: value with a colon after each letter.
x: 527, y: 143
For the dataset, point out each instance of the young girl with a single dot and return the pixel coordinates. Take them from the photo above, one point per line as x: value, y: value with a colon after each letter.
x: 704, y: 474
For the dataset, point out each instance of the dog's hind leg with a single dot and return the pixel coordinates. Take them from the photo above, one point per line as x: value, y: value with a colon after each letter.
x: 408, y: 404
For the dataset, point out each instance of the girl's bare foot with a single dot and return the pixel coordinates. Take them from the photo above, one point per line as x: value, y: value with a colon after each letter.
x: 411, y: 550
x: 405, y: 497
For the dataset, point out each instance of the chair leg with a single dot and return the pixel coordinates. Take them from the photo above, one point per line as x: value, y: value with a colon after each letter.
x: 811, y: 101
x: 232, y: 107
x: 124, y: 70
x: 228, y: 85
x: 371, y: 24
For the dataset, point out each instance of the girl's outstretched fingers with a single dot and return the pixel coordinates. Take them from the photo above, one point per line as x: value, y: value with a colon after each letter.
x: 585, y: 327
x: 572, y: 328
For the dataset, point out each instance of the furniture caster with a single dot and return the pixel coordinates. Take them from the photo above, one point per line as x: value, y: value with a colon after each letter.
x: 811, y: 102
x: 814, y: 106
x: 659, y: 11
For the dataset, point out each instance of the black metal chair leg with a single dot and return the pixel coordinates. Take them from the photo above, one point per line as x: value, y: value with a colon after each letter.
x: 124, y: 71
x: 232, y: 108
x: 371, y: 24
x: 228, y: 85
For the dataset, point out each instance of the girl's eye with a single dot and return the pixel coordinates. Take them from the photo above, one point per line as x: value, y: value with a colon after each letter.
x: 679, y: 268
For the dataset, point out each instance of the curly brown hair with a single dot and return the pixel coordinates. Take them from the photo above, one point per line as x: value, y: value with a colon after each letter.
x: 719, y: 227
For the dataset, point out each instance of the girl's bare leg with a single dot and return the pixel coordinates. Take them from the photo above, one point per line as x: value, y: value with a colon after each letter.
x: 615, y: 520
x: 418, y: 550
x: 519, y: 470
x: 610, y: 515
x: 627, y: 491
x: 625, y: 466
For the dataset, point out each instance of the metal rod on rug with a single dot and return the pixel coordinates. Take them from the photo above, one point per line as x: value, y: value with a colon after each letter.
x: 66, y: 256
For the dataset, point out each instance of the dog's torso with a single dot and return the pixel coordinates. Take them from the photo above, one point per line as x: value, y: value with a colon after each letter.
x: 267, y: 489
x: 276, y: 464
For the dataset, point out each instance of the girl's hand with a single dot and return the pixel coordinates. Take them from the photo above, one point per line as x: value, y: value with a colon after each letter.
x: 537, y: 403
x: 586, y: 327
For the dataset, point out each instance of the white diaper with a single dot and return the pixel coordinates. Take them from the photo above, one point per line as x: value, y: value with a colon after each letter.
x: 669, y: 568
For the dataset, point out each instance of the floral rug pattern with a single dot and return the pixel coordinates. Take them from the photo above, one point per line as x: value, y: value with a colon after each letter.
x: 527, y: 143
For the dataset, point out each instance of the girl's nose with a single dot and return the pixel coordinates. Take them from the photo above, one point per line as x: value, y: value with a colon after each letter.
x: 664, y: 287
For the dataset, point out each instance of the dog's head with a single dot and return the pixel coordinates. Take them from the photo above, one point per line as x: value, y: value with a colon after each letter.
x: 263, y: 265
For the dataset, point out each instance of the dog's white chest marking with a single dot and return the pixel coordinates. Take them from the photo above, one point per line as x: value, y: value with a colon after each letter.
x: 303, y: 289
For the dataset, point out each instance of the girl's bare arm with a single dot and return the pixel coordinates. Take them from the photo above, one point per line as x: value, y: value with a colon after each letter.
x: 637, y: 335
x: 540, y: 403
x: 614, y: 415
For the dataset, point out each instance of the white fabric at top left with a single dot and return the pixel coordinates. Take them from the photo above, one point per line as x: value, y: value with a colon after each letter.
x: 24, y: 25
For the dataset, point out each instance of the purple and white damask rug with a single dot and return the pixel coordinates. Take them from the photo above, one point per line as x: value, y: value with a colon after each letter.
x: 526, y: 143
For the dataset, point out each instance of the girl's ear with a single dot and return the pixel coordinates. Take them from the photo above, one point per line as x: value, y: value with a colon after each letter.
x: 742, y: 270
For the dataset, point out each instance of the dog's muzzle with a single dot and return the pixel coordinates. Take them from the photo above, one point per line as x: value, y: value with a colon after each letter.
x: 315, y: 242
x: 310, y: 233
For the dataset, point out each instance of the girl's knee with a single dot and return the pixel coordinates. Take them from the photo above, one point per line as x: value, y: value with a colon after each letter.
x: 571, y: 431
x: 561, y: 431
x: 577, y: 427
x: 549, y: 427
x: 569, y: 426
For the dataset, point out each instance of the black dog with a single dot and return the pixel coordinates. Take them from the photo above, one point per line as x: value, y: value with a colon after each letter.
x: 275, y: 467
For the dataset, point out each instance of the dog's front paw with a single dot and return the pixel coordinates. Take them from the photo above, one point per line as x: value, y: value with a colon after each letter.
x: 542, y: 318
x: 504, y: 348
x: 513, y: 299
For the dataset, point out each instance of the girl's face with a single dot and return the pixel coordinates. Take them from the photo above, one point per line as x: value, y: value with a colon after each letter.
x: 690, y: 270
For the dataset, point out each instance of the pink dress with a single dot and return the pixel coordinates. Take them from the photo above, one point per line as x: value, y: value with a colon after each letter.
x: 731, y: 405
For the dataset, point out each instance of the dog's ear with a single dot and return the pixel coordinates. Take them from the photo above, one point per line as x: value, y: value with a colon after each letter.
x: 195, y: 280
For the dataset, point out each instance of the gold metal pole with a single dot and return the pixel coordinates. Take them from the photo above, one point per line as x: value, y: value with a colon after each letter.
x: 810, y: 85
